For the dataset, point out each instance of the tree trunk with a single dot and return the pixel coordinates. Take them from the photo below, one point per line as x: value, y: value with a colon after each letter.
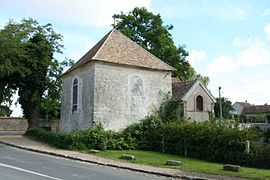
x: 33, y: 118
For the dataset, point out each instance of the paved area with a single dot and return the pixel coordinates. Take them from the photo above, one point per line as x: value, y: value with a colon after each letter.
x: 30, y: 144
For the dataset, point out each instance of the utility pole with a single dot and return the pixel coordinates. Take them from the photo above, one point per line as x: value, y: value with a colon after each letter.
x: 220, y: 105
x: 114, y: 21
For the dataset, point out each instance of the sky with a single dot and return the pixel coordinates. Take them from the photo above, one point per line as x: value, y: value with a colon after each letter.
x: 227, y: 40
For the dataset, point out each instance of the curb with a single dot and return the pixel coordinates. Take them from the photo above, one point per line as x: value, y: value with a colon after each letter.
x: 105, y: 164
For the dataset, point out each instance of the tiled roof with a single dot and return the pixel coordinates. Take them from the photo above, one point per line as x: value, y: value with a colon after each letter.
x: 256, y: 109
x: 179, y: 89
x: 175, y: 79
x: 244, y: 103
x: 119, y: 49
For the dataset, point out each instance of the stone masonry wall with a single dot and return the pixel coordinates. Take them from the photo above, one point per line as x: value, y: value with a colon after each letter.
x: 191, y: 111
x: 123, y: 95
x: 83, y: 117
x: 13, y: 125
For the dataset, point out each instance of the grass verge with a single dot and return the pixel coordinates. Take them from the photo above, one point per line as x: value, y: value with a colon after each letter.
x: 158, y: 160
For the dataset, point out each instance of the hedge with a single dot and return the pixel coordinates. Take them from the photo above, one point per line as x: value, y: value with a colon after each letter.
x: 95, y: 138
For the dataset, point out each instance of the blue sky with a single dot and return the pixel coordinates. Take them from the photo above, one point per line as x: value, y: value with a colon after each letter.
x: 228, y: 40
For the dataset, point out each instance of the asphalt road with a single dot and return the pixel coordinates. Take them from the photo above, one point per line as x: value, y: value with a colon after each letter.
x: 16, y: 164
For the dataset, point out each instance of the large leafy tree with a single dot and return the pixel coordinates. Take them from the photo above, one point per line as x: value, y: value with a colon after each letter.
x: 226, y: 105
x: 147, y: 29
x: 28, y: 64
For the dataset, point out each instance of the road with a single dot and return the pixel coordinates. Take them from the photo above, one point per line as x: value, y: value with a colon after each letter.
x: 17, y: 164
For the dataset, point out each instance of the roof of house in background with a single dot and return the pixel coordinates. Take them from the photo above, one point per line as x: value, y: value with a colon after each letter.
x: 175, y: 79
x: 256, y: 109
x: 244, y: 103
x: 179, y: 89
x: 119, y: 49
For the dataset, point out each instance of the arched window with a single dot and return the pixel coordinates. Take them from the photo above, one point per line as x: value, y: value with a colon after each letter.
x: 199, y: 103
x: 75, y: 95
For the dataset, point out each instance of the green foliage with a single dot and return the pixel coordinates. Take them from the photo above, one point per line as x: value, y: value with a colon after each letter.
x: 210, y: 141
x: 204, y: 79
x: 146, y: 133
x: 219, y: 141
x: 27, y: 63
x: 5, y: 111
x: 118, y: 141
x: 169, y: 111
x: 226, y: 108
x: 95, y: 138
x: 148, y: 30
x: 260, y: 156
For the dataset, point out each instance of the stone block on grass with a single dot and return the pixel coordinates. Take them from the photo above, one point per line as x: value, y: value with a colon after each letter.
x: 173, y: 162
x: 128, y: 157
x: 230, y: 167
x: 94, y: 151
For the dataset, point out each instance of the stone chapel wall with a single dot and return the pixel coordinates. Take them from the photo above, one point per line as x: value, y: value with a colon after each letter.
x: 123, y: 95
x: 83, y: 117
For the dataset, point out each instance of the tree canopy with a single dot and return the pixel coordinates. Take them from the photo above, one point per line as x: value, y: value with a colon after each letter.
x: 27, y: 64
x: 147, y: 29
x: 226, y: 107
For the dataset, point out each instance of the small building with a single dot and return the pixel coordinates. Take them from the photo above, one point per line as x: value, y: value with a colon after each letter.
x: 256, y: 113
x: 239, y: 106
x: 196, y: 101
x: 114, y: 84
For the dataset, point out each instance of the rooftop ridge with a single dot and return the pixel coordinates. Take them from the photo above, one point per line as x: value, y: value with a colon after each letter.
x: 117, y: 48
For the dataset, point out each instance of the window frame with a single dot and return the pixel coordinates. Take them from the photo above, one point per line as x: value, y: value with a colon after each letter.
x: 75, y: 94
x: 199, y: 103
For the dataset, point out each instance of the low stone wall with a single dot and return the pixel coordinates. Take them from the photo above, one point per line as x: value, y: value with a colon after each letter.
x: 261, y: 126
x: 13, y: 125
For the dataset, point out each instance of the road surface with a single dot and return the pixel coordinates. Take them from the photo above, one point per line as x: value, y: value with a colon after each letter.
x: 16, y: 164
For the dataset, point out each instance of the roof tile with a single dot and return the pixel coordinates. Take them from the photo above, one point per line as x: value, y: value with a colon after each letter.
x: 179, y: 89
x: 118, y: 48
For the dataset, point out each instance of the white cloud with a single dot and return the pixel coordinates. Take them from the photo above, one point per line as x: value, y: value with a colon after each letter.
x: 243, y: 75
x: 221, y: 65
x: 83, y: 44
x: 251, y: 41
x: 233, y: 13
x: 266, y: 12
x: 196, y: 56
x: 184, y: 9
x: 74, y: 12
x: 253, y: 51
x: 237, y: 41
x: 267, y: 30
x: 254, y: 57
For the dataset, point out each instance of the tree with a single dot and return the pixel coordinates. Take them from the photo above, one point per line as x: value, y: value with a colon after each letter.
x: 148, y: 30
x: 226, y: 107
x: 204, y: 79
x: 27, y: 63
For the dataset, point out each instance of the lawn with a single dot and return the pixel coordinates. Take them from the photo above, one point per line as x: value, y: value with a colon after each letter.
x: 158, y: 160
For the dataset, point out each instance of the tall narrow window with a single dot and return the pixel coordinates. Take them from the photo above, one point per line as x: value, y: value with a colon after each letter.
x: 75, y: 95
x: 199, y: 103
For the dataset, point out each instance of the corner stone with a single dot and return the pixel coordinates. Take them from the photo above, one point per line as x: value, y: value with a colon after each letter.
x: 127, y: 157
x: 230, y: 167
x: 173, y: 163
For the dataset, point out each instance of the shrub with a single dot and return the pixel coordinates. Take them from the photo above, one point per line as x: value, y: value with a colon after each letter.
x: 146, y: 133
x: 218, y: 142
x: 95, y: 138
x: 119, y: 141
x: 78, y: 140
